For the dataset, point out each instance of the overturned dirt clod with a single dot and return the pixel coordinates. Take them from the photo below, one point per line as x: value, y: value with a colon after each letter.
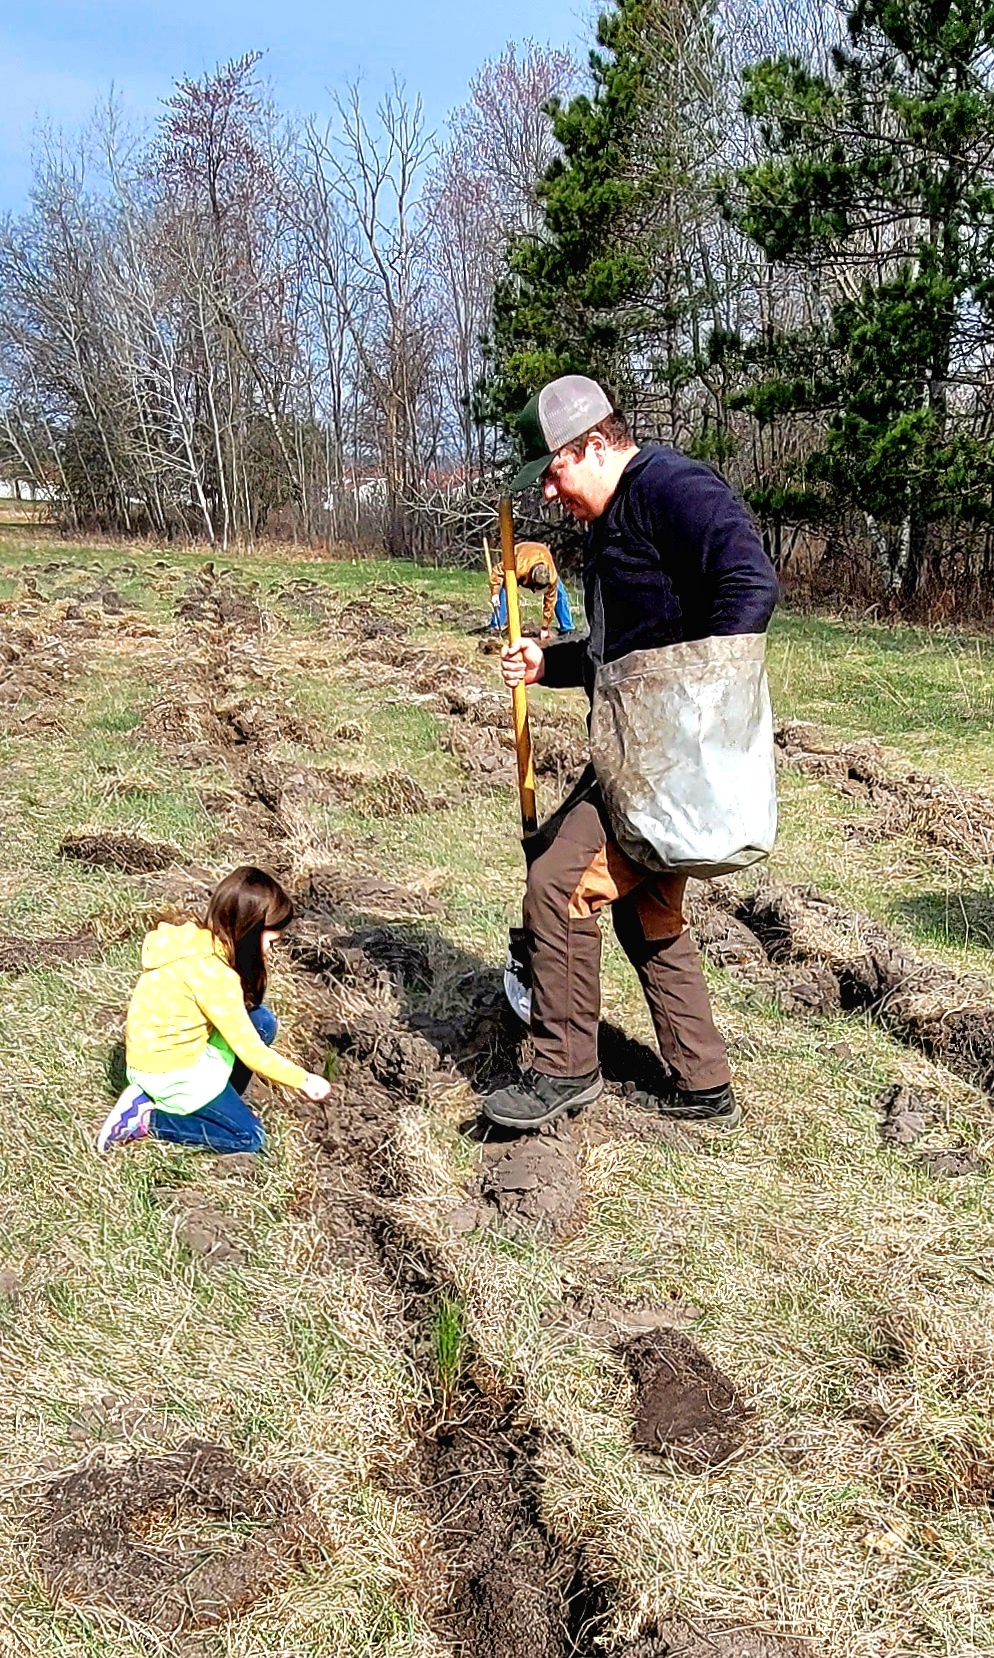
x: 826, y: 959
x: 360, y: 619
x: 221, y: 602
x: 20, y: 955
x: 386, y: 794
x: 905, y: 1114
x: 141, y: 1538
x: 534, y: 1185
x: 33, y: 668
x: 331, y: 888
x: 128, y: 853
x: 686, y: 1410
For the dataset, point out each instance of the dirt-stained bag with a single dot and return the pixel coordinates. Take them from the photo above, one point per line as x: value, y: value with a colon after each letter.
x: 682, y: 743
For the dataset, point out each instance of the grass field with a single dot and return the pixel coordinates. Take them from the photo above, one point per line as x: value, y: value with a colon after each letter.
x: 354, y: 1321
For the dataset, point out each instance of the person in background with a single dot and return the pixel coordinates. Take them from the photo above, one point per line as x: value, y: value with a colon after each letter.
x: 198, y: 1027
x: 535, y: 568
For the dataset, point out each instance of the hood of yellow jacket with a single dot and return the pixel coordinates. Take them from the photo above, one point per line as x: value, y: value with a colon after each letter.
x: 177, y: 941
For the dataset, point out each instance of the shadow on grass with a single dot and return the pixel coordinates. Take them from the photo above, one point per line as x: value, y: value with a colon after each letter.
x: 949, y: 917
x: 456, y: 1001
x: 117, y: 1076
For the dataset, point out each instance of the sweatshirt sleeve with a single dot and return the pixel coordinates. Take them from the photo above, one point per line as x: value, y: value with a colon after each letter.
x: 738, y: 586
x: 219, y: 994
x: 565, y: 660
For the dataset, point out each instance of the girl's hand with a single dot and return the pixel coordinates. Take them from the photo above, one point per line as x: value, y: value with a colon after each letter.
x: 315, y: 1088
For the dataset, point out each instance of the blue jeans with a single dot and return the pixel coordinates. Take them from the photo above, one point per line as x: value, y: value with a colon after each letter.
x: 225, y: 1124
x: 564, y: 616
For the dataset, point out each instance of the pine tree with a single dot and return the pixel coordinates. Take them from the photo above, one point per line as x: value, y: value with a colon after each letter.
x: 602, y: 287
x: 875, y: 190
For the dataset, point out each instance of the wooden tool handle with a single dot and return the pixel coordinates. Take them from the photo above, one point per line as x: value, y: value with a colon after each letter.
x: 519, y: 696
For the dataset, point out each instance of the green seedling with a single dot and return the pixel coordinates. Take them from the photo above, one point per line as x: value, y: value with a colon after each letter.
x: 448, y: 1347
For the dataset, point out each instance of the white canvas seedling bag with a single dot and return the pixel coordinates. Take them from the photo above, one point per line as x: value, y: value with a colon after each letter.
x: 682, y: 743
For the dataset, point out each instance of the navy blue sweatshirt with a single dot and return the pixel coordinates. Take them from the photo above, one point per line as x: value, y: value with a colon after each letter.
x: 673, y: 556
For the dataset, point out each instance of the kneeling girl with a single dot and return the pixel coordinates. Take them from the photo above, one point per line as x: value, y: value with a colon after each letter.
x: 198, y: 1026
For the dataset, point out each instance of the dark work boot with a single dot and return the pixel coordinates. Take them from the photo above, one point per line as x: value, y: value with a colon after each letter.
x: 703, y: 1107
x: 708, y: 1107
x: 536, y: 1099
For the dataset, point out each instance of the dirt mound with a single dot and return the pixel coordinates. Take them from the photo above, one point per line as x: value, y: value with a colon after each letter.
x: 220, y: 602
x: 128, y: 853
x: 308, y: 598
x: 330, y: 889
x: 534, y: 1186
x: 360, y: 619
x: 725, y: 940
x: 505, y: 1586
x: 932, y: 811
x: 559, y: 754
x: 260, y: 722
x: 676, y: 1639
x: 359, y: 1117
x: 387, y: 794
x: 405, y: 957
x: 101, y: 592
x: 905, y: 1114
x: 141, y: 1538
x: 20, y: 955
x: 686, y: 1410
x: 485, y: 753
x: 33, y: 668
x: 400, y: 1060
x: 188, y: 730
x: 481, y: 736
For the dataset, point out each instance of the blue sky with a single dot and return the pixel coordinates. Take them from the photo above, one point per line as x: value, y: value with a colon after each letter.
x: 58, y: 59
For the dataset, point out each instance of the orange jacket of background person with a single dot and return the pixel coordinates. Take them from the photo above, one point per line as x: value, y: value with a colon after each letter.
x: 528, y: 555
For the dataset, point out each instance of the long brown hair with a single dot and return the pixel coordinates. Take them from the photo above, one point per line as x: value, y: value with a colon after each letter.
x: 247, y: 903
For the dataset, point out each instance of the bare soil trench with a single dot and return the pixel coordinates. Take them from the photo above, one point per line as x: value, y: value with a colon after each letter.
x: 497, y: 1581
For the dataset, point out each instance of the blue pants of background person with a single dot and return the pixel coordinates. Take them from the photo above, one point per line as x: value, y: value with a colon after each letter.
x: 564, y: 616
x: 225, y: 1124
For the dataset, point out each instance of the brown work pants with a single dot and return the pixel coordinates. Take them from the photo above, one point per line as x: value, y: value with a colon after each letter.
x: 575, y: 869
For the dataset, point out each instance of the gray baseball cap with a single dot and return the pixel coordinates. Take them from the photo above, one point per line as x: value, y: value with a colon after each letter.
x: 561, y: 411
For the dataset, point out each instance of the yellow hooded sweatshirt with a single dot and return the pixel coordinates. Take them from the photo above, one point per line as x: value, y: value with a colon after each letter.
x: 187, y: 1022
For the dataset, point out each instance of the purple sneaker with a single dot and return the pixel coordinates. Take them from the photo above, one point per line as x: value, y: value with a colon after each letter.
x: 126, y: 1120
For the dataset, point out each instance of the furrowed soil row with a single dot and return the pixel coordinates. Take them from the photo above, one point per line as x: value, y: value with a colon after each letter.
x: 815, y: 957
x: 499, y: 1583
x: 477, y: 723
x: 934, y: 812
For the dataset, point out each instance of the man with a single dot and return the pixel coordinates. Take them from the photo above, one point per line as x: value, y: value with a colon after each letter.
x: 671, y: 555
x: 535, y: 568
